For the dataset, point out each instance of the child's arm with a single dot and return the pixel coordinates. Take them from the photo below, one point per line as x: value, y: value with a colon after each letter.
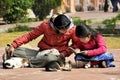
x: 100, y: 48
x: 77, y: 51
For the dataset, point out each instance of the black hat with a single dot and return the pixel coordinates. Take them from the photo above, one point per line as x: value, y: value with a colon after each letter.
x: 62, y: 22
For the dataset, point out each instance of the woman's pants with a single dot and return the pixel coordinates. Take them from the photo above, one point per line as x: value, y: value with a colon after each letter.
x: 36, y: 61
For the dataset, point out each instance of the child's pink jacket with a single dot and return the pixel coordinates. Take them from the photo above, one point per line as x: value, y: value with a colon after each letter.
x: 94, y: 47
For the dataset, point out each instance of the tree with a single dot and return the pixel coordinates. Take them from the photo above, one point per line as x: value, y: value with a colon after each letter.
x: 16, y: 10
x: 42, y: 8
x: 4, y: 5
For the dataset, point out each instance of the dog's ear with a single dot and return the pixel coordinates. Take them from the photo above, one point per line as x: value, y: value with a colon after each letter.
x: 69, y: 62
x: 26, y: 62
x: 4, y: 65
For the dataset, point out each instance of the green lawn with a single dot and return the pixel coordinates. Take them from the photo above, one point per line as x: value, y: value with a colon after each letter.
x: 6, y: 38
x: 112, y: 42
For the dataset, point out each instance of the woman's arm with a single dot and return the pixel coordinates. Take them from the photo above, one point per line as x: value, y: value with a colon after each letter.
x: 29, y: 36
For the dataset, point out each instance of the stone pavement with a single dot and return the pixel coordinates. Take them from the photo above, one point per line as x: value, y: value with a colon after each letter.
x: 112, y: 73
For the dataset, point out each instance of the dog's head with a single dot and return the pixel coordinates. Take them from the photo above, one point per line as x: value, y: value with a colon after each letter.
x: 25, y: 62
x: 67, y: 66
x: 15, y: 62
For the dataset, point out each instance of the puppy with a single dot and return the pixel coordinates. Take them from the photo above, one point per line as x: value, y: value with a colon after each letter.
x: 67, y: 66
x: 55, y: 66
x: 15, y: 62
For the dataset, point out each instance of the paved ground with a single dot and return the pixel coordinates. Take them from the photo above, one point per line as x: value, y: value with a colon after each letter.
x: 75, y: 74
x: 93, y: 15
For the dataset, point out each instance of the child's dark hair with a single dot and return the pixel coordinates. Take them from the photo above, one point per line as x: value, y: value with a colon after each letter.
x: 83, y: 30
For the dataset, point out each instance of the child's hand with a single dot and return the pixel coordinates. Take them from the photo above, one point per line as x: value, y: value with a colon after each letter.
x: 84, y: 53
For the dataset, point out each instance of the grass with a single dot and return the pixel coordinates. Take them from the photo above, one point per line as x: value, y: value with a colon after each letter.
x: 7, y: 38
x: 112, y: 42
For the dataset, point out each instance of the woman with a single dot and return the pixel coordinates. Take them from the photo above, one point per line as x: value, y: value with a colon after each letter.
x: 57, y: 33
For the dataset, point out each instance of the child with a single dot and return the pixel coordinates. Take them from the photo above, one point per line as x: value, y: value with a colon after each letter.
x: 93, y: 48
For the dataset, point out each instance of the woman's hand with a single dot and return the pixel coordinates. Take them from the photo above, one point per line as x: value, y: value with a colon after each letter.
x: 9, y: 50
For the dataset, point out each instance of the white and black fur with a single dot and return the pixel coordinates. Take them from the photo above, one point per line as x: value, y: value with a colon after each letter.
x: 15, y: 62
